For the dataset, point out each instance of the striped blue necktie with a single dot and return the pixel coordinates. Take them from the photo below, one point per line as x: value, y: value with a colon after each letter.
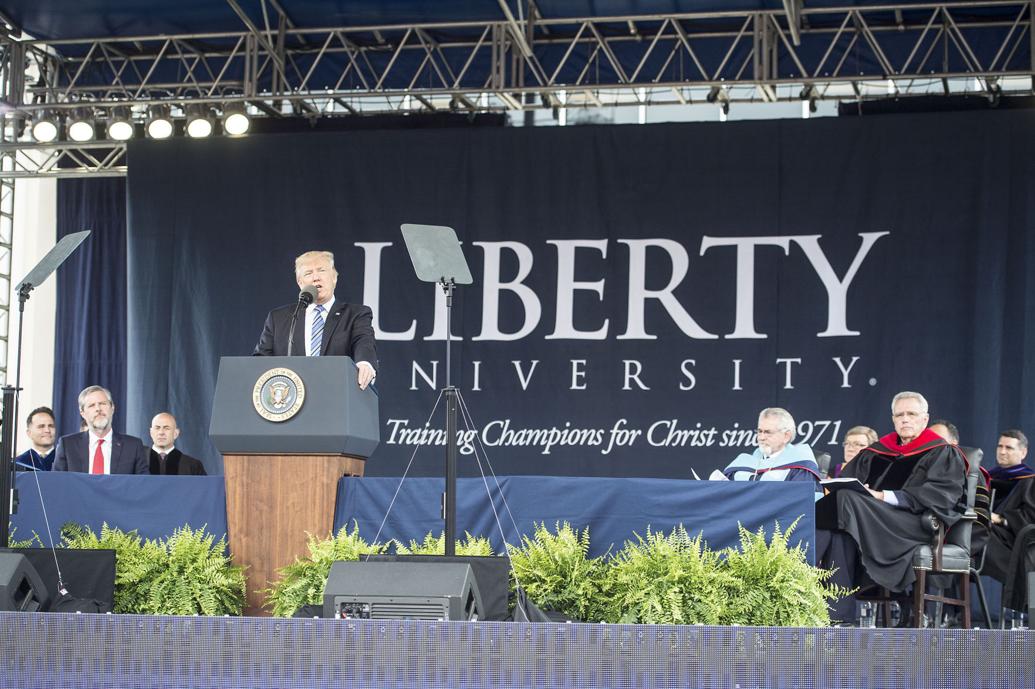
x: 316, y: 339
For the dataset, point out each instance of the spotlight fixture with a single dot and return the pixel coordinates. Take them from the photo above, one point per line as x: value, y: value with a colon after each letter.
x: 159, y: 122
x: 808, y: 101
x: 80, y: 125
x: 199, y: 121
x: 235, y: 119
x: 120, y: 124
x: 45, y: 127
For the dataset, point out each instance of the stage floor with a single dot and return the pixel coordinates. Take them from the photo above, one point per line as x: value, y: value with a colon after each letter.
x: 68, y: 651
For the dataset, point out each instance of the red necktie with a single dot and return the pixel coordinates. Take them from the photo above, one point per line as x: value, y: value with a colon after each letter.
x: 98, y: 459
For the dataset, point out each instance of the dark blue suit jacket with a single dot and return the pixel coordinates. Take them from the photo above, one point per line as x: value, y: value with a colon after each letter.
x: 348, y: 331
x: 128, y: 454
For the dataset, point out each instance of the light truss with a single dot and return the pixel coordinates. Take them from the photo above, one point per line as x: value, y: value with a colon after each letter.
x: 521, y: 61
x: 6, y: 235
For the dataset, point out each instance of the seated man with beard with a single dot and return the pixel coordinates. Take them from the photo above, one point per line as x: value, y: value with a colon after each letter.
x: 775, y: 459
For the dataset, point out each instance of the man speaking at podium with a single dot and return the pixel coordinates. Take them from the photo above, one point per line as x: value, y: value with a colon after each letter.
x: 329, y: 327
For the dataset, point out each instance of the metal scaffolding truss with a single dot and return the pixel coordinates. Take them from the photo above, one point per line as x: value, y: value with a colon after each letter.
x: 521, y: 61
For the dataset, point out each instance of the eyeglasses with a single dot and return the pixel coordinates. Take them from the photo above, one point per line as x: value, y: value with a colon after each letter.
x: 762, y: 431
x: 908, y: 415
x: 856, y: 445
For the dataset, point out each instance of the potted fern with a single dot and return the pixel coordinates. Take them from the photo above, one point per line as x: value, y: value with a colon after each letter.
x: 436, y: 545
x: 302, y: 582
x: 189, y: 573
x: 665, y: 579
x: 555, y: 571
x: 769, y: 583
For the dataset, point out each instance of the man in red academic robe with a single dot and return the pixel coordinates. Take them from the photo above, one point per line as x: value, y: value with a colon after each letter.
x: 869, y: 538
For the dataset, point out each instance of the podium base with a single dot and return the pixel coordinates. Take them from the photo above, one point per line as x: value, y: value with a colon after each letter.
x: 272, y: 503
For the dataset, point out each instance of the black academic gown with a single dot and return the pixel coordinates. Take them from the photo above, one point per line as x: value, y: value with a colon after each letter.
x: 176, y: 463
x: 927, y: 475
x: 1019, y: 511
x: 1003, y: 481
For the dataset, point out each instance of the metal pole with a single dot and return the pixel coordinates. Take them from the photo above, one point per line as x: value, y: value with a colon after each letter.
x: 8, y: 494
x: 449, y: 499
x: 6, y: 465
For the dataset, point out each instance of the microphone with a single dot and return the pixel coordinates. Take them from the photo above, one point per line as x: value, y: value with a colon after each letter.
x: 307, y: 296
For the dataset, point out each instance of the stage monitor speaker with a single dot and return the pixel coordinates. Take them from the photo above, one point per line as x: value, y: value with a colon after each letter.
x: 402, y: 591
x: 491, y: 573
x: 21, y: 589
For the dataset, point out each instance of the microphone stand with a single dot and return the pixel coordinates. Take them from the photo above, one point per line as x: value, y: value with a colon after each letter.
x: 304, y: 299
x: 451, y: 393
x: 9, y: 420
x: 436, y: 256
x: 47, y: 265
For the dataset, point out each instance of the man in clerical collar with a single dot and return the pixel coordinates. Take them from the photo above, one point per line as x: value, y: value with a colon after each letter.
x: 39, y: 427
x: 776, y: 458
x: 868, y: 537
x: 165, y: 457
x: 1010, y: 452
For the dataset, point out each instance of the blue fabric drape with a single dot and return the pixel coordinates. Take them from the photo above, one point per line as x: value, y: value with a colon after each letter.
x: 614, y: 510
x: 90, y: 338
x: 153, y: 506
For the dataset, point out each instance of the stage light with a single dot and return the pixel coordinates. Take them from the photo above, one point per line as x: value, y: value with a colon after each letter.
x: 80, y: 125
x: 120, y: 124
x: 808, y: 101
x: 159, y: 123
x: 235, y: 119
x: 199, y: 121
x: 45, y: 127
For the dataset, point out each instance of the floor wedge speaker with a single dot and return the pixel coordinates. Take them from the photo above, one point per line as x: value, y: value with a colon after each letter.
x: 21, y: 589
x: 491, y: 573
x: 402, y: 591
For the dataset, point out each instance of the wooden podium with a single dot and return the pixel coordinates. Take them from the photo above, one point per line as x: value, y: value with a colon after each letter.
x: 288, y: 428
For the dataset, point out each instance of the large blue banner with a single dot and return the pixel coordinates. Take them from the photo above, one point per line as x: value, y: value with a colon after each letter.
x: 640, y: 293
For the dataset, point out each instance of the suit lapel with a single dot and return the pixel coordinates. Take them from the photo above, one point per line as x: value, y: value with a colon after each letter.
x: 329, y: 326
x: 83, y: 439
x: 116, y: 451
x: 298, y: 346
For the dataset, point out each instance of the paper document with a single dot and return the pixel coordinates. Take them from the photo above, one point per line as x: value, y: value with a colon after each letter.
x: 835, y: 484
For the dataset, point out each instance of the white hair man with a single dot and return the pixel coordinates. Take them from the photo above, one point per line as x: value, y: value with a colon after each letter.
x: 775, y: 458
x: 907, y: 473
x: 329, y: 327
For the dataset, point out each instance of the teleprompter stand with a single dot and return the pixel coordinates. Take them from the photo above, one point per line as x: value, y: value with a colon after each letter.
x: 36, y: 277
x: 436, y: 257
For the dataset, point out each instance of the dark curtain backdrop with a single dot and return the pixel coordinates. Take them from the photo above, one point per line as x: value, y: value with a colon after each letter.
x: 90, y: 345
x: 942, y: 304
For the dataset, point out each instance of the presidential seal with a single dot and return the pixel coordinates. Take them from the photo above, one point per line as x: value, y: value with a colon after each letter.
x: 278, y: 394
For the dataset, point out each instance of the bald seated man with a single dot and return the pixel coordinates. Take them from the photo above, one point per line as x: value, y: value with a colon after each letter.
x: 165, y: 458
